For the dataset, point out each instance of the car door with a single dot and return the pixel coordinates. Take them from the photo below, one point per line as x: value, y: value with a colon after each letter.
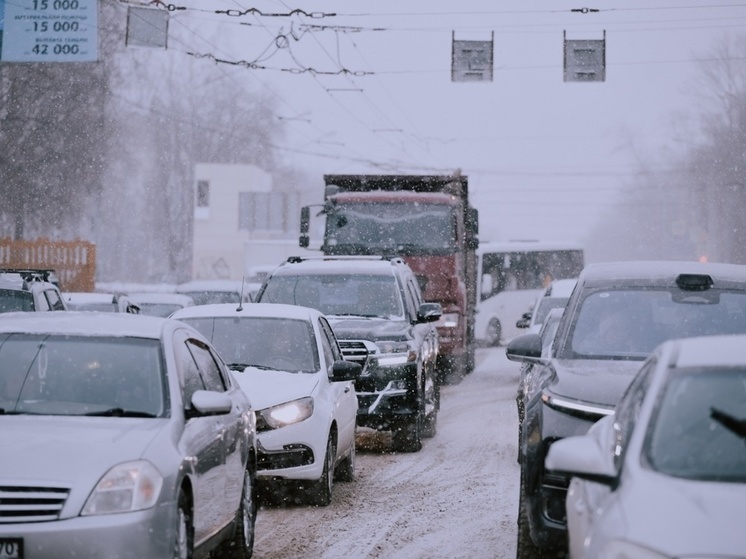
x: 343, y: 393
x: 229, y: 426
x: 588, y: 501
x: 201, y: 443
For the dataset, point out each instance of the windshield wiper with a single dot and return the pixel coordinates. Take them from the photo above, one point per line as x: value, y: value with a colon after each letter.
x: 119, y: 412
x: 356, y: 314
x: 241, y: 367
x: 730, y: 422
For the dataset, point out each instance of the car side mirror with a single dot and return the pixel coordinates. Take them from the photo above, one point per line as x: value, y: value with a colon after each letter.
x: 429, y: 312
x: 209, y: 402
x: 525, y: 348
x: 524, y: 321
x: 343, y: 370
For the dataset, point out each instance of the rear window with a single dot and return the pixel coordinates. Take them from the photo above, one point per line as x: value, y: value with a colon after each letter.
x: 12, y: 300
x: 348, y: 294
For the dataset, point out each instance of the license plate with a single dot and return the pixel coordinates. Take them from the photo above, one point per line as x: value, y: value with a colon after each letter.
x: 11, y: 548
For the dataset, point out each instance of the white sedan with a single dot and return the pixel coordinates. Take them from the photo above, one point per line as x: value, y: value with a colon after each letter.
x: 665, y: 476
x: 287, y: 360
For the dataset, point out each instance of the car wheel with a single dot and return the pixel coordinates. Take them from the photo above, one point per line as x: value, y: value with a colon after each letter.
x: 320, y: 493
x: 525, y: 545
x: 184, y: 544
x: 346, y: 469
x: 494, y: 331
x: 430, y: 425
x: 241, y: 545
x: 408, y: 437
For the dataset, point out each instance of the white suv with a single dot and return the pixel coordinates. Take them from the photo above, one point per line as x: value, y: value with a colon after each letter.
x: 29, y: 290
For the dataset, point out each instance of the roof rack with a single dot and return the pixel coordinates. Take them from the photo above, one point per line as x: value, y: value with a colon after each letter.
x: 390, y: 257
x: 33, y: 274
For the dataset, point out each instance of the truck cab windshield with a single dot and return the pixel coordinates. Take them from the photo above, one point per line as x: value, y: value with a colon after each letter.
x: 404, y: 227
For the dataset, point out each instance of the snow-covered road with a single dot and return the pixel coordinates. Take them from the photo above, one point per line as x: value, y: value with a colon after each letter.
x: 456, y: 498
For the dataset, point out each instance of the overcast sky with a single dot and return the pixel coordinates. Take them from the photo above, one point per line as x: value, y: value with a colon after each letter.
x: 365, y: 86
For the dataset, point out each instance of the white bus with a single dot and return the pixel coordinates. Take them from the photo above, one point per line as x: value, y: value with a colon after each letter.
x: 512, y: 275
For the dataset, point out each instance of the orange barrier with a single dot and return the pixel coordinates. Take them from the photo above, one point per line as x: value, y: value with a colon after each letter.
x: 74, y: 262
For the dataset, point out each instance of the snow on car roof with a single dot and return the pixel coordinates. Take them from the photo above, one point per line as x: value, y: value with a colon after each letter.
x: 161, y: 297
x: 79, y: 297
x: 84, y: 324
x: 710, y: 351
x: 272, y: 310
x: 662, y: 273
x: 209, y: 285
x: 337, y: 265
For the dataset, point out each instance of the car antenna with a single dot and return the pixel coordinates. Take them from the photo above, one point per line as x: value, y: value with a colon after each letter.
x: 240, y: 299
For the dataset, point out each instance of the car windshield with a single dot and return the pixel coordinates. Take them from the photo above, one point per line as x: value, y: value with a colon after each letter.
x: 413, y: 225
x: 270, y: 343
x: 344, y: 294
x: 78, y: 375
x: 630, y: 323
x: 12, y: 300
x: 699, y: 428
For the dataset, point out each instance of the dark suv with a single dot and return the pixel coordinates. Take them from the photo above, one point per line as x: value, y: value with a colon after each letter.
x: 618, y: 313
x: 375, y: 308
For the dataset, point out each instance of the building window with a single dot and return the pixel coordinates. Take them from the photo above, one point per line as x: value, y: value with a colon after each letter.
x: 268, y: 211
x: 203, y: 194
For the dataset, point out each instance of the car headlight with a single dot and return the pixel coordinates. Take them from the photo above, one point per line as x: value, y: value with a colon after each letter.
x: 627, y: 550
x: 128, y: 487
x: 395, y: 353
x: 448, y: 320
x: 285, y: 414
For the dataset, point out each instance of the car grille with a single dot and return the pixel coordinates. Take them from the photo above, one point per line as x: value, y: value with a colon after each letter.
x: 354, y: 350
x: 31, y: 504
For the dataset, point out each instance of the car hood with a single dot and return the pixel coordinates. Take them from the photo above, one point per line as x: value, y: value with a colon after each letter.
x: 354, y: 328
x: 601, y: 381
x: 684, y: 518
x: 73, y: 451
x: 269, y: 388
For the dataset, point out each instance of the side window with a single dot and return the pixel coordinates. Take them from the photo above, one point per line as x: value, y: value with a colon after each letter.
x: 410, y: 302
x: 326, y: 348
x: 628, y: 410
x: 191, y: 381
x: 331, y: 340
x: 54, y: 300
x: 207, y: 366
x: 41, y: 303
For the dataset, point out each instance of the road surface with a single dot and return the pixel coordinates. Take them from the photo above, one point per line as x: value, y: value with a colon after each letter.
x: 456, y: 498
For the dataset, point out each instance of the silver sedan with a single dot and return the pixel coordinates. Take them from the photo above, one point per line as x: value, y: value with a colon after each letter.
x: 665, y: 476
x: 122, y: 436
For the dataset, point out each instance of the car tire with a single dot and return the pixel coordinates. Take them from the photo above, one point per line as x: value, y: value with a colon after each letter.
x: 345, y: 470
x: 408, y: 436
x: 525, y: 548
x: 493, y: 333
x: 320, y: 493
x: 184, y: 542
x: 241, y: 545
x: 430, y: 425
